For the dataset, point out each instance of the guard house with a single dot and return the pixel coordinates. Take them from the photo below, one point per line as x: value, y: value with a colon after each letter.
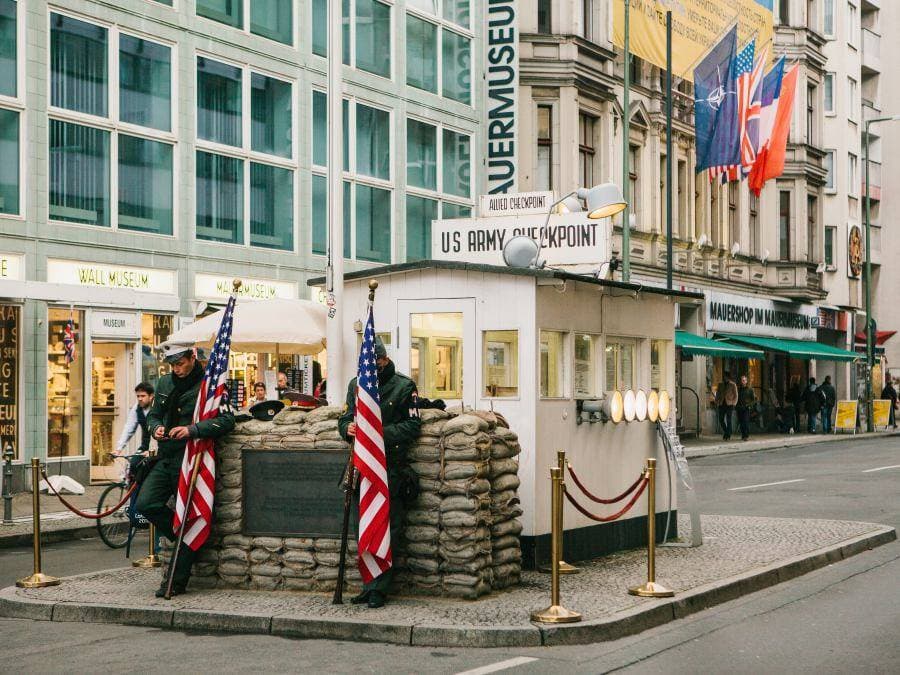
x: 533, y: 345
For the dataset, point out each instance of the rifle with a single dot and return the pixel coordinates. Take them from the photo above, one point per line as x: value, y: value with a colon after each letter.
x: 348, y: 485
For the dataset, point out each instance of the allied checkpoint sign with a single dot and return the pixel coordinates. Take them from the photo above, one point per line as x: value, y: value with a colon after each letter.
x: 568, y: 239
x: 845, y: 418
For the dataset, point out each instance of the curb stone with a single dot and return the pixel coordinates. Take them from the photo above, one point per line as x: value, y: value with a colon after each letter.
x: 22, y: 539
x: 731, y: 448
x: 627, y: 622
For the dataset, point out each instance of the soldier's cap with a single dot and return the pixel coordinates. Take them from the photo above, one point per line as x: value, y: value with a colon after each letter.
x: 172, y: 351
x: 266, y: 410
x: 380, y: 351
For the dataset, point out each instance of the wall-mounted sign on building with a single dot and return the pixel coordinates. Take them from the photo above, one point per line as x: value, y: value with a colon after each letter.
x: 218, y: 287
x: 102, y: 275
x: 569, y: 239
x: 502, y: 46
x: 854, y: 252
x: 115, y: 325
x: 745, y: 315
x: 516, y: 204
x: 12, y: 267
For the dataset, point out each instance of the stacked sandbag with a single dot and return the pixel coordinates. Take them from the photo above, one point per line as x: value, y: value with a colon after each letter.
x: 506, y: 552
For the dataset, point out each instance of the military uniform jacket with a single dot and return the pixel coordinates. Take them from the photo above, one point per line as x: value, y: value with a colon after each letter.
x: 162, y: 414
x: 399, y: 414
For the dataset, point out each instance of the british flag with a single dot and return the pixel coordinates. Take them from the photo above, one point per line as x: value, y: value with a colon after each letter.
x: 70, y: 341
x: 369, y: 458
x: 197, y: 516
x: 743, y: 70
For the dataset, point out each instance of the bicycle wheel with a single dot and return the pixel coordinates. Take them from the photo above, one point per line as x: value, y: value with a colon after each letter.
x: 114, y: 528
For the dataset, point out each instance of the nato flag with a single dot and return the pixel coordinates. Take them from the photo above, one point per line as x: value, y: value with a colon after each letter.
x: 716, y: 106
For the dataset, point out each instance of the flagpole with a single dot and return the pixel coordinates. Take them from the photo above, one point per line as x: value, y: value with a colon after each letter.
x: 626, y: 146
x: 669, y: 251
x: 334, y: 273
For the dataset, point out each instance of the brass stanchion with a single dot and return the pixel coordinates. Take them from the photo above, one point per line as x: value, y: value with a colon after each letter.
x: 151, y: 559
x: 564, y: 567
x: 38, y: 579
x: 555, y: 613
x: 651, y: 589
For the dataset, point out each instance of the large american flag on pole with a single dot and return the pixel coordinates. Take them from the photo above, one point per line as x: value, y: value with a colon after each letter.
x: 743, y: 67
x: 212, y: 391
x: 370, y: 460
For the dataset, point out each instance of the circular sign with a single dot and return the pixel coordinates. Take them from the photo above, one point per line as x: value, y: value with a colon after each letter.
x: 640, y: 405
x: 629, y: 403
x: 664, y: 405
x: 652, y: 406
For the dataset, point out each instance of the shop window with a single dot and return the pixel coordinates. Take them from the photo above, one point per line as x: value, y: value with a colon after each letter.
x: 145, y: 82
x: 659, y: 376
x: 78, y: 64
x: 585, y: 365
x: 553, y: 364
x: 10, y: 334
x: 155, y: 329
x: 500, y: 363
x: 65, y: 386
x: 435, y: 358
x: 620, y: 365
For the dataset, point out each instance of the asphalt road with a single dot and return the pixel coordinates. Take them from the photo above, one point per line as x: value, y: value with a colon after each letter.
x: 840, y: 618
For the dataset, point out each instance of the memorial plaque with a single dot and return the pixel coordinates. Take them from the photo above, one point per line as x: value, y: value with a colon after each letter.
x: 294, y: 493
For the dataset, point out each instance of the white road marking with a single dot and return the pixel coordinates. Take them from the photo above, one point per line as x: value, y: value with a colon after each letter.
x: 882, y: 468
x: 500, y: 665
x: 781, y: 482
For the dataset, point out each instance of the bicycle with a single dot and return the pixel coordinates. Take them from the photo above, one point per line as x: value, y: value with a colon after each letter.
x: 115, y: 530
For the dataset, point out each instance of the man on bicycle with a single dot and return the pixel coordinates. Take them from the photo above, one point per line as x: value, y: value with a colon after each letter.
x: 137, y: 419
x: 171, y: 423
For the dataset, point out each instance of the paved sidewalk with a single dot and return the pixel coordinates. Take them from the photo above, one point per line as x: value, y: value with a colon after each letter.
x: 740, y: 555
x: 57, y: 523
x: 714, y: 445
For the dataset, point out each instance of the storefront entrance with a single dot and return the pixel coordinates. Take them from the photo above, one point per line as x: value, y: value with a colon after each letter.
x: 112, y: 384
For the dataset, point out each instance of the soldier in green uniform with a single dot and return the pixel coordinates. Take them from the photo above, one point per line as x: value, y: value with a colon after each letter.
x: 170, y: 422
x: 401, y: 423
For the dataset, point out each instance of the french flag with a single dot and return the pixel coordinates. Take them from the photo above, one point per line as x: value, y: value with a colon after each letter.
x: 779, y: 90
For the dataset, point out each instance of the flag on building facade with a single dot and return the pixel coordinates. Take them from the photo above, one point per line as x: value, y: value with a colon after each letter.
x: 374, y: 550
x: 715, y: 106
x: 770, y: 158
x: 70, y: 341
x: 197, y: 516
x: 750, y: 134
x: 742, y: 67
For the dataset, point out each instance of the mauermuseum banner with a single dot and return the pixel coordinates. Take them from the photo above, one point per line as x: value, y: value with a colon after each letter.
x: 501, y: 44
x: 696, y: 26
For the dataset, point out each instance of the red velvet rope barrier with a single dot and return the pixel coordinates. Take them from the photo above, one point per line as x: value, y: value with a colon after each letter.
x: 593, y: 498
x: 90, y: 516
x: 615, y: 516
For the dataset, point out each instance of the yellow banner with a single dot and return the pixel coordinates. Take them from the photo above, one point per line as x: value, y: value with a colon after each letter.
x: 845, y: 419
x: 881, y: 412
x: 696, y: 26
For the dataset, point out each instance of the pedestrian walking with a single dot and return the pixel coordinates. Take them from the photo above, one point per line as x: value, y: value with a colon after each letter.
x: 828, y: 408
x: 746, y: 400
x: 890, y: 394
x: 795, y: 398
x: 813, y: 399
x: 726, y: 399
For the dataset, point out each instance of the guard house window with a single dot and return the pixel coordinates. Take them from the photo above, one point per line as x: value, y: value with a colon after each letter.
x: 65, y: 386
x: 784, y: 225
x: 812, y: 229
x: 753, y: 211
x: 659, y: 376
x: 829, y: 94
x: 428, y: 187
x: 10, y: 353
x: 586, y: 150
x: 585, y: 374
x: 367, y: 38
x: 137, y: 191
x: 230, y: 163
x: 500, y: 359
x: 553, y: 363
x: 543, y: 17
x: 829, y: 245
x: 436, y: 354
x: 438, y: 48
x: 544, y: 172
x: 828, y: 164
x: 620, y: 365
x: 272, y: 19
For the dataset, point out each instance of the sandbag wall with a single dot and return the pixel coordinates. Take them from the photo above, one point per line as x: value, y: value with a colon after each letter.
x: 460, y: 537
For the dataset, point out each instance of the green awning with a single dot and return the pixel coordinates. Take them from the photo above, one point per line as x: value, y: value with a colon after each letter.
x: 798, y: 349
x: 696, y: 344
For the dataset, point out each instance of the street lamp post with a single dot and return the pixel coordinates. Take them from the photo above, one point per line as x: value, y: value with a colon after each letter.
x: 626, y: 146
x: 870, y: 339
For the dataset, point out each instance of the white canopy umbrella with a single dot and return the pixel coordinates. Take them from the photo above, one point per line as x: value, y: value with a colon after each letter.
x: 279, y: 326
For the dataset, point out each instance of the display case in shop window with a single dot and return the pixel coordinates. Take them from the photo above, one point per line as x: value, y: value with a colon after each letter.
x: 64, y: 390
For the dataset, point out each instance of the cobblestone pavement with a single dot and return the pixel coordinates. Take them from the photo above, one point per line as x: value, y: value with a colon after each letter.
x: 733, y: 545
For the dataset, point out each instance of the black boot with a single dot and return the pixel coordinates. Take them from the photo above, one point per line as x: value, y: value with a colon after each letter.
x: 360, y: 599
x: 177, y: 589
x: 376, y: 599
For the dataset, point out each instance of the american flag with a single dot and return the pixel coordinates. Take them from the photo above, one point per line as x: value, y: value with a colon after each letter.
x: 69, y: 341
x: 743, y: 67
x: 370, y: 460
x: 213, y: 392
x: 750, y: 129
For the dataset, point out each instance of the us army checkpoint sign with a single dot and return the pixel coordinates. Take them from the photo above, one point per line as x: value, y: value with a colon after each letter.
x: 568, y: 239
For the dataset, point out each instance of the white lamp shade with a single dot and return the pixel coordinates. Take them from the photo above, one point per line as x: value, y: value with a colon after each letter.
x: 570, y: 205
x: 604, y: 201
x: 664, y: 406
x: 613, y: 406
x: 628, y: 401
x: 640, y: 405
x: 652, y: 406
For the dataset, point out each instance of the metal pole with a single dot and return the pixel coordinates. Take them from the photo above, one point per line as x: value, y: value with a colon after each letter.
x: 7, y: 483
x: 38, y: 579
x: 669, y: 149
x: 335, y: 272
x: 651, y: 589
x: 564, y: 567
x: 626, y: 147
x: 870, y: 350
x: 151, y: 559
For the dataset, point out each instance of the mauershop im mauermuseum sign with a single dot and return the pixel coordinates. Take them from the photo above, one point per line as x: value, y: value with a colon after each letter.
x: 741, y: 314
